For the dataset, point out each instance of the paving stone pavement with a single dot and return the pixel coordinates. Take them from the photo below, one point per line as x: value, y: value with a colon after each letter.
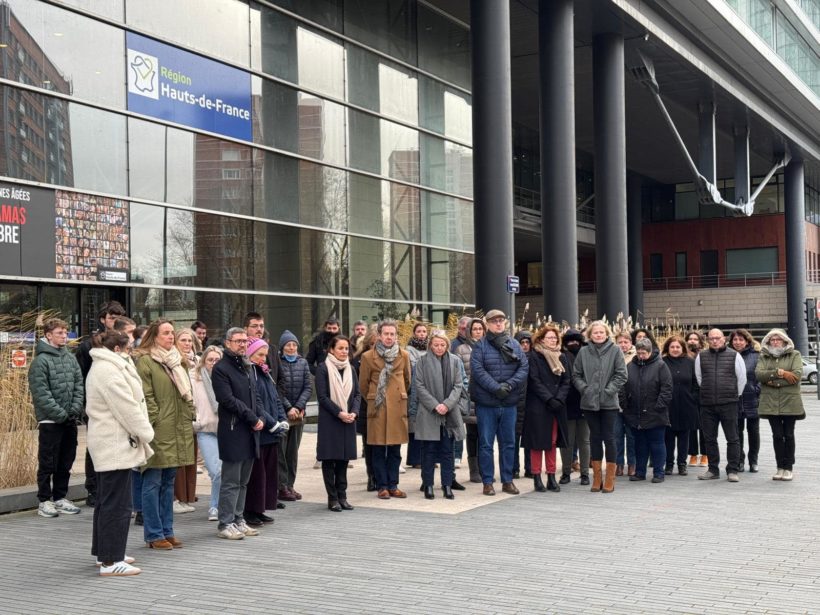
x: 685, y: 546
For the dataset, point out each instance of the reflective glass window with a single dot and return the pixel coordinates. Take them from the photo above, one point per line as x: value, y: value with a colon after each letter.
x: 97, y: 150
x: 146, y: 153
x: 443, y: 47
x: 321, y: 63
x: 389, y: 26
x: 223, y: 174
x: 147, y: 241
x: 399, y: 152
x: 446, y: 166
x: 446, y: 221
x: 113, y: 9
x: 328, y: 13
x: 63, y: 51
x: 219, y: 29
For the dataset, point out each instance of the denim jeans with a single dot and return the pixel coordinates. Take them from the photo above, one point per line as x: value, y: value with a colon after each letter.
x: 496, y: 423
x: 136, y: 490
x: 158, y: 503
x: 622, y: 432
x: 650, y: 441
x: 386, y: 461
x: 437, y: 451
x: 726, y: 416
x: 458, y: 449
x: 209, y: 447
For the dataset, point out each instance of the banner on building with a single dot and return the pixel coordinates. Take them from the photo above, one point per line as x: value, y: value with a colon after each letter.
x: 175, y: 85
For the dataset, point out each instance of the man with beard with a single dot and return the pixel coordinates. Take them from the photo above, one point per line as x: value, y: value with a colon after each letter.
x: 578, y: 432
x: 317, y: 351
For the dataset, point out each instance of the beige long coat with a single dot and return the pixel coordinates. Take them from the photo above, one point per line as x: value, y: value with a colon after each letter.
x: 386, y: 425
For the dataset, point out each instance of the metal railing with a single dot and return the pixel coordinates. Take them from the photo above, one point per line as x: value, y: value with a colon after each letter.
x: 732, y: 280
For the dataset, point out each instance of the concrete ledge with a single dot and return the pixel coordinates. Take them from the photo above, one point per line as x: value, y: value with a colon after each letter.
x: 25, y: 498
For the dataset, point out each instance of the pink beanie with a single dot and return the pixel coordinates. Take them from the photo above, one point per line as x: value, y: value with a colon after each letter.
x: 255, y: 345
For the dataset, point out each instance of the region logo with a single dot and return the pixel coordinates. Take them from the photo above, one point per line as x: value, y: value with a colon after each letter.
x: 143, y: 74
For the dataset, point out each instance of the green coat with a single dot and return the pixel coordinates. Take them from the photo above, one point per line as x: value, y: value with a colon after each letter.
x: 56, y: 384
x: 778, y: 397
x: 169, y: 414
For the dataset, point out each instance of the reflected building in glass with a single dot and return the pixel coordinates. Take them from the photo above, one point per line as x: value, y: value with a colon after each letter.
x: 352, y: 197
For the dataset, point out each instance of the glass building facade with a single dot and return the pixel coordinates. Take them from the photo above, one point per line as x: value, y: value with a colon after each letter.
x: 350, y: 194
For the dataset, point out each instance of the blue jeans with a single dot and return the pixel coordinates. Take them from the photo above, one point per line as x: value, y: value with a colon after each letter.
x: 136, y: 490
x: 650, y: 441
x: 209, y: 447
x: 386, y: 461
x: 437, y: 451
x: 496, y: 423
x: 622, y: 430
x: 158, y: 503
x: 458, y: 449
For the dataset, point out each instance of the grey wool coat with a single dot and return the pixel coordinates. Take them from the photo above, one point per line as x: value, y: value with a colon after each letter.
x: 430, y: 391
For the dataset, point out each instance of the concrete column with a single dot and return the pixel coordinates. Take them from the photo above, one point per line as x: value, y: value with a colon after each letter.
x: 796, y: 253
x: 610, y: 174
x: 634, y: 224
x: 707, y: 158
x: 492, y: 152
x: 559, y: 244
x: 742, y: 176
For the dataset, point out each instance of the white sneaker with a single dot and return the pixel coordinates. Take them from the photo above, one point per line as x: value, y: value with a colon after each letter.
x: 180, y: 508
x: 402, y: 469
x: 457, y: 464
x: 213, y: 514
x: 230, y: 532
x: 246, y: 529
x: 779, y: 474
x: 47, y: 509
x: 119, y: 569
x: 190, y: 507
x: 317, y: 465
x: 787, y: 475
x: 127, y: 559
x: 66, y: 507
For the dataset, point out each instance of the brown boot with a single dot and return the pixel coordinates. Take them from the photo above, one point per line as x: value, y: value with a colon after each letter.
x: 619, y: 470
x: 609, y: 479
x: 596, y: 476
x: 630, y: 469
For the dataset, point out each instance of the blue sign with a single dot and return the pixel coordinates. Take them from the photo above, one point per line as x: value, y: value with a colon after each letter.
x: 175, y: 85
x: 513, y: 284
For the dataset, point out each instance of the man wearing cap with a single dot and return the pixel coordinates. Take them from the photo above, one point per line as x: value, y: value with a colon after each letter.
x: 317, y: 350
x: 499, y: 371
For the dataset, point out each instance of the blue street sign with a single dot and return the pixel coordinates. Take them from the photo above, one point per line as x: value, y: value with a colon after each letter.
x: 513, y: 284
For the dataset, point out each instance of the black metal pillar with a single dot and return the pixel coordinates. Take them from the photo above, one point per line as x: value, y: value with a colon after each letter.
x: 742, y: 176
x: 707, y: 158
x: 492, y: 152
x: 559, y: 245
x: 634, y: 225
x: 796, y: 254
x: 610, y: 174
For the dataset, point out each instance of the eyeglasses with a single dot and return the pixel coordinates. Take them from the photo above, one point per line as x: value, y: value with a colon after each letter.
x: 242, y: 341
x: 715, y: 339
x: 497, y: 320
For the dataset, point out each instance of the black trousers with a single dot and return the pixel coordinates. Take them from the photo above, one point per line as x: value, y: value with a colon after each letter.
x: 112, y: 515
x: 90, y: 476
x: 472, y: 439
x: 57, y: 449
x: 753, y: 429
x: 783, y: 440
x: 367, y: 450
x: 602, y: 433
x: 724, y: 415
x: 697, y: 443
x: 335, y: 474
x: 682, y: 438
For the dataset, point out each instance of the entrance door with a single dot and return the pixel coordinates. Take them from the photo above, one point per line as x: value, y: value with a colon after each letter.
x: 709, y: 267
x: 92, y: 299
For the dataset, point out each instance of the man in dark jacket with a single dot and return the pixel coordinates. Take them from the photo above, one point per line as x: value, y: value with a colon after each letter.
x: 56, y: 385
x: 499, y: 370
x: 106, y: 318
x: 525, y: 339
x: 317, y: 350
x: 648, y: 392
x: 240, y: 421
x: 578, y: 429
x: 721, y: 374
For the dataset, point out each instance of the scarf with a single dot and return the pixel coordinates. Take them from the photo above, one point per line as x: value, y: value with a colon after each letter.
x: 389, y: 355
x: 205, y: 376
x: 340, y: 380
x: 446, y: 376
x: 290, y: 358
x: 553, y: 358
x: 501, y: 342
x: 417, y: 343
x: 171, y: 360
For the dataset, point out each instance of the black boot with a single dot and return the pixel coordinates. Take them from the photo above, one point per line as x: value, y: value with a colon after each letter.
x: 343, y: 503
x: 551, y: 484
x: 457, y: 486
x: 538, y: 483
x: 668, y: 469
x: 334, y: 506
x: 371, y: 483
x: 564, y: 480
x: 429, y: 494
x: 682, y: 469
x: 448, y: 492
x: 584, y: 479
x: 138, y: 518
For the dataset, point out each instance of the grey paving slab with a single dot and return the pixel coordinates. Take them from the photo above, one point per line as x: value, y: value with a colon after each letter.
x: 685, y: 546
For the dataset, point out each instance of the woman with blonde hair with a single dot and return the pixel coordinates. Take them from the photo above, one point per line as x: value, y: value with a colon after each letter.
x: 599, y: 373
x: 545, y: 410
x: 169, y: 397
x: 207, y: 421
x: 185, y: 482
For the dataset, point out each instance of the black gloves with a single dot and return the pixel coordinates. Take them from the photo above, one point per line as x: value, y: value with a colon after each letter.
x: 503, y: 390
x: 555, y: 404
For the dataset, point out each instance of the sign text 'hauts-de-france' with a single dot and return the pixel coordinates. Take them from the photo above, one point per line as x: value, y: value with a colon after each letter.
x: 182, y: 87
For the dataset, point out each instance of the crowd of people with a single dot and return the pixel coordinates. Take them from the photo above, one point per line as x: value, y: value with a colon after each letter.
x: 157, y: 398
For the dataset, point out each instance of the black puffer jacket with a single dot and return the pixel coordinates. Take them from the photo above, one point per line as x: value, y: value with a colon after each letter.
x: 648, y: 393
x: 294, y: 382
